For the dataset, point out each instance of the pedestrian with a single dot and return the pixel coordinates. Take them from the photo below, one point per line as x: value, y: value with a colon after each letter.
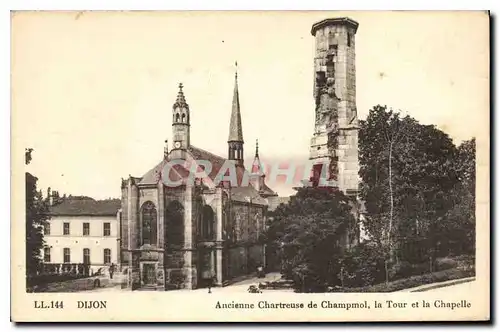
x: 211, y: 283
x: 260, y: 272
x: 111, y: 270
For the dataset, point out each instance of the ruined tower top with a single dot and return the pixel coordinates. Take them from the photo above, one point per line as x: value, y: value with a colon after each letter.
x: 335, y: 137
x: 334, y: 21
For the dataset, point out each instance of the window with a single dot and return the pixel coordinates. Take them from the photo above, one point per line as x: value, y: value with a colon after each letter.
x: 46, y: 255
x: 148, y: 223
x: 46, y: 229
x: 66, y: 228
x: 349, y: 39
x: 86, y: 228
x: 208, y: 226
x: 107, y: 229
x: 107, y: 256
x: 86, y: 256
x: 67, y: 256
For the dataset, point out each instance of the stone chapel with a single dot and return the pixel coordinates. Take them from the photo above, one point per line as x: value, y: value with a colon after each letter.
x: 188, y: 235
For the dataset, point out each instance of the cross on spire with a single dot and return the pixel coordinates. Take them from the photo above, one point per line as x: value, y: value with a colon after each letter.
x: 181, y: 100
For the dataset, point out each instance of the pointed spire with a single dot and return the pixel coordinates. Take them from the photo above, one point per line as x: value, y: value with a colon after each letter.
x: 235, y: 128
x: 181, y: 100
x: 257, y: 165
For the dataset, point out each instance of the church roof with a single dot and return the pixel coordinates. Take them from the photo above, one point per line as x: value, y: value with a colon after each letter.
x: 85, y: 206
x: 247, y: 195
x: 274, y: 202
x: 265, y: 190
x: 153, y: 176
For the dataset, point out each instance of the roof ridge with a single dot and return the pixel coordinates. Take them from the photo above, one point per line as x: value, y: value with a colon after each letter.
x: 205, y: 151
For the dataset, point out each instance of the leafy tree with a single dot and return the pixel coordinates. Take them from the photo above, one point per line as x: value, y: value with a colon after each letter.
x: 461, y: 218
x: 408, y: 171
x: 311, y: 232
x: 36, y: 217
x: 363, y: 265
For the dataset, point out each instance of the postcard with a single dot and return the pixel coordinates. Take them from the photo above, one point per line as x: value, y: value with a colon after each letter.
x: 250, y: 166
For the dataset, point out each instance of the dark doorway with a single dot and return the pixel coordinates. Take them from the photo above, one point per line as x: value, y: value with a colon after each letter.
x: 148, y: 274
x: 206, y: 267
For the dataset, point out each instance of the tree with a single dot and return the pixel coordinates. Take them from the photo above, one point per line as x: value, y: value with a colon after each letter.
x: 461, y: 225
x: 407, y: 171
x: 36, y: 218
x: 311, y: 232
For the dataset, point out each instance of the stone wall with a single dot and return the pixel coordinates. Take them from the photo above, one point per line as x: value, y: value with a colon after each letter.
x: 243, y: 260
x: 237, y: 262
x: 256, y: 255
x: 124, y: 226
x: 248, y: 222
x: 245, y: 253
x: 335, y: 139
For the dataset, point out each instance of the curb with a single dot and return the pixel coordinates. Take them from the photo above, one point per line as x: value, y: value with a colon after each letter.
x: 444, y: 284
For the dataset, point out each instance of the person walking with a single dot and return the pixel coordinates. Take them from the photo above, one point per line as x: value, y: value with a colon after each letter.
x: 111, y: 270
x: 211, y: 283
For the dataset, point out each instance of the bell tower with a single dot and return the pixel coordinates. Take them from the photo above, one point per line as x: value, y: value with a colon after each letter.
x: 335, y: 138
x: 180, y: 122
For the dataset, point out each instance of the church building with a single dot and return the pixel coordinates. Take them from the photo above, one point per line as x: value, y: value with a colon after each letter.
x: 195, y: 232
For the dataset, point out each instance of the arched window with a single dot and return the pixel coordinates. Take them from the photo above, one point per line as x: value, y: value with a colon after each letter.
x: 183, y: 117
x: 148, y: 216
x: 208, y: 223
x: 174, y: 226
x: 177, y: 117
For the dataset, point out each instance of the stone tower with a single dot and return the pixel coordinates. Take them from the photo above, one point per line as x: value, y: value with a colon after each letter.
x: 235, y: 139
x: 335, y: 139
x: 180, y: 122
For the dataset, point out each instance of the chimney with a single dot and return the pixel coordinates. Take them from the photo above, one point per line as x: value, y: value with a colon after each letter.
x: 50, y: 197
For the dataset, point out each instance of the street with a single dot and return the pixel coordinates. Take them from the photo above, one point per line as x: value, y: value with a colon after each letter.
x: 238, y: 287
x: 457, y: 285
x: 462, y: 288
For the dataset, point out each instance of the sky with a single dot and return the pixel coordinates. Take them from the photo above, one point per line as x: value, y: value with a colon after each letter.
x: 92, y: 93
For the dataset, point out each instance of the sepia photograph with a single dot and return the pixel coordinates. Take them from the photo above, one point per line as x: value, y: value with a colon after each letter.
x: 175, y: 163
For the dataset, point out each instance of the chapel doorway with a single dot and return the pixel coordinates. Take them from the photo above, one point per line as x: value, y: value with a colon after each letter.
x: 206, y: 267
x: 148, y: 274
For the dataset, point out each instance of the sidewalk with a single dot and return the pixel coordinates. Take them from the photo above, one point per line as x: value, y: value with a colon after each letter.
x: 427, y: 287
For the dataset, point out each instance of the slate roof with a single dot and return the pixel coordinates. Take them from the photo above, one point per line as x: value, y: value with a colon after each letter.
x: 265, y: 190
x: 274, y: 202
x: 247, y: 194
x: 178, y: 172
x: 153, y: 176
x: 235, y: 128
x: 85, y: 206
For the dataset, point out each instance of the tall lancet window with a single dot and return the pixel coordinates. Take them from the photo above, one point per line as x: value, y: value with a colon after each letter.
x: 148, y: 216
